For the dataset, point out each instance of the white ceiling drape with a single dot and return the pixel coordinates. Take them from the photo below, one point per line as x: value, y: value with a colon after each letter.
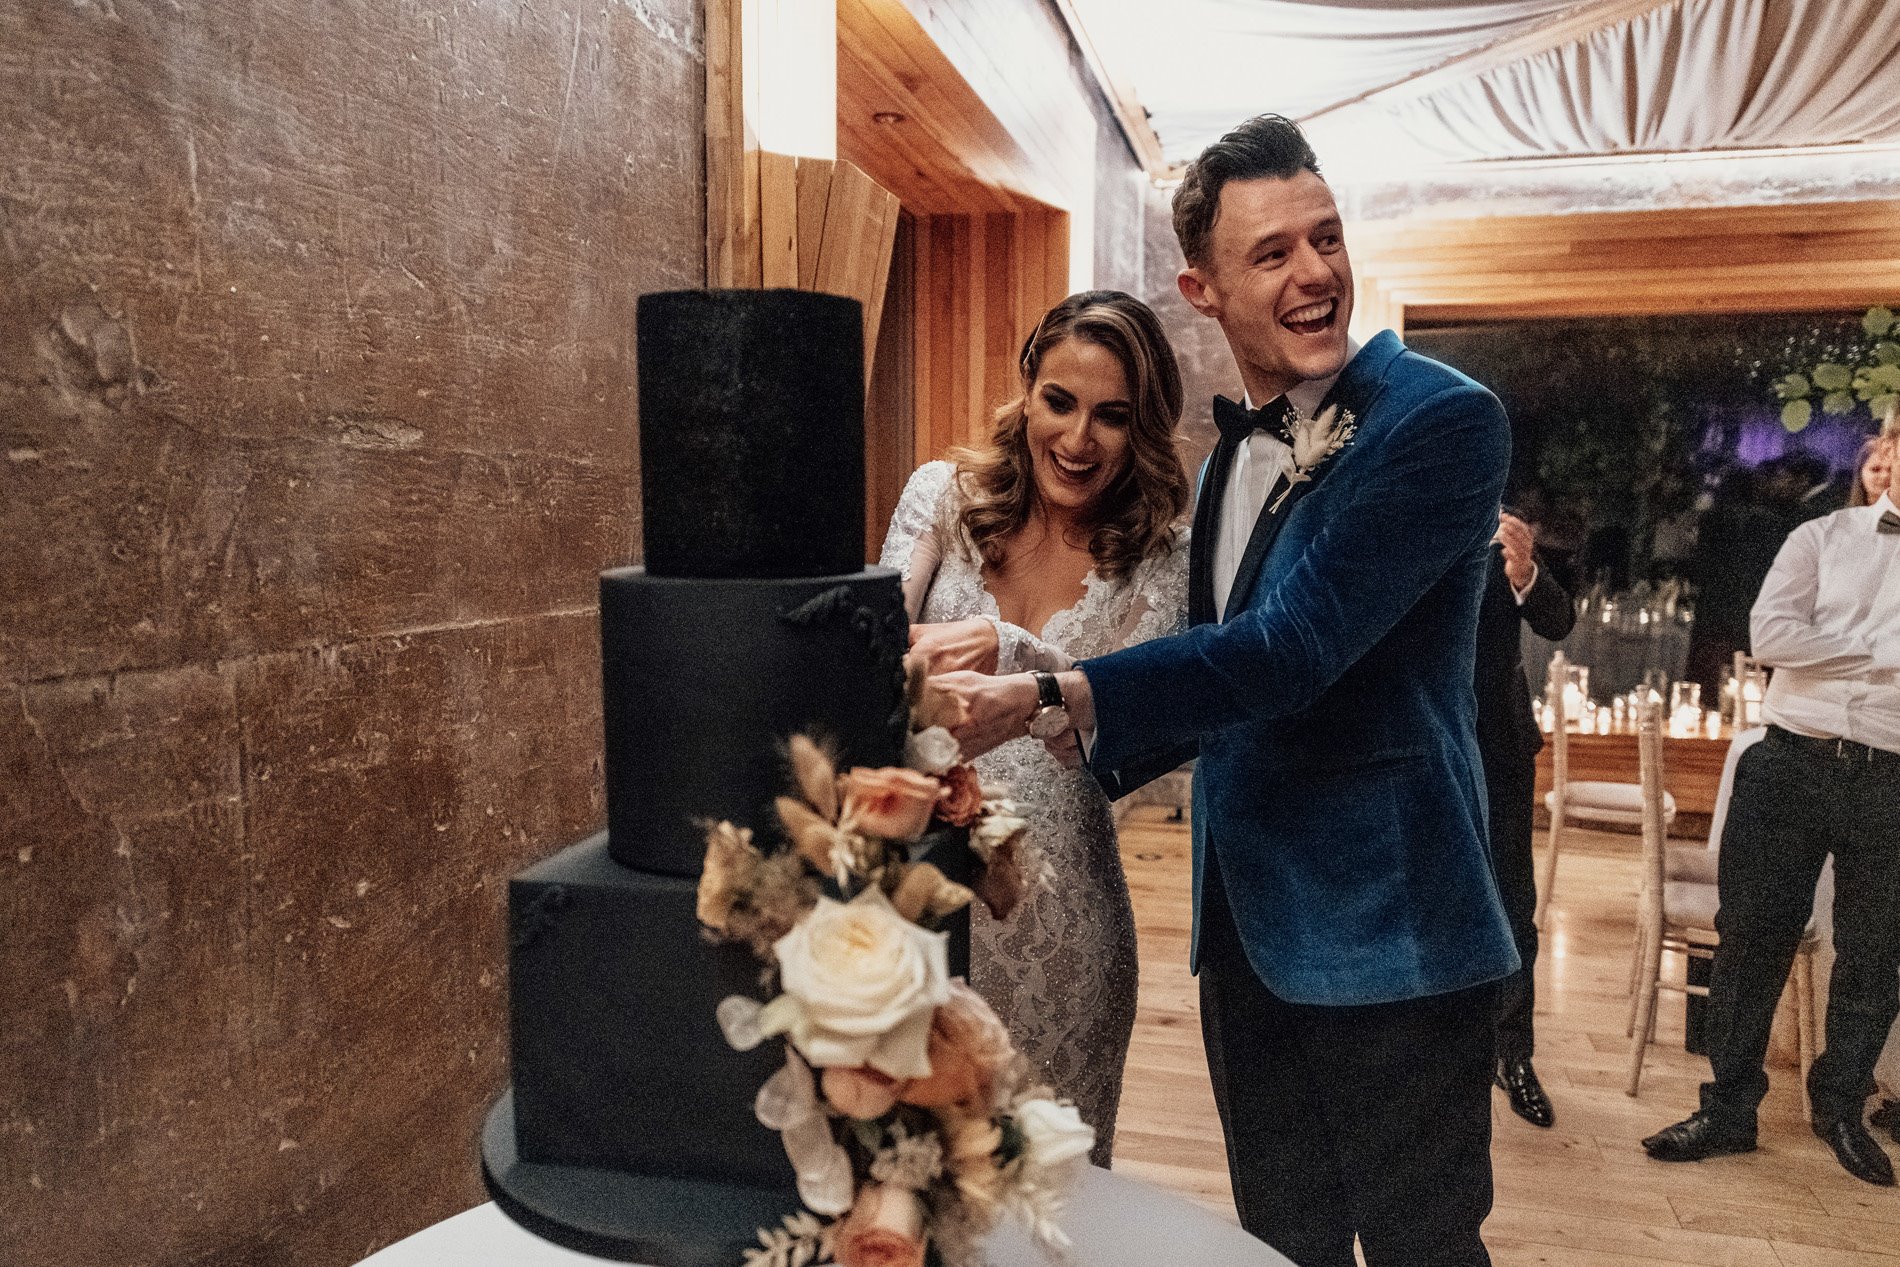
x: 1201, y: 66
x: 1697, y: 75
x: 1687, y: 75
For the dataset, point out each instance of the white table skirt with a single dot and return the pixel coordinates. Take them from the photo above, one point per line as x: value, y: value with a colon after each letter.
x: 1116, y: 1222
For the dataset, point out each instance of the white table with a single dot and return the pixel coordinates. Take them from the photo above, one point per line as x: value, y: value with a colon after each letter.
x: 1115, y: 1222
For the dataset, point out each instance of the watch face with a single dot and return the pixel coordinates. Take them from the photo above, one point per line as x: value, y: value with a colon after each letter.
x: 1047, y: 723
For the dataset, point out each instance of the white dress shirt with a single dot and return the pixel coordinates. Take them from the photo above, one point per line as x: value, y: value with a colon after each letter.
x: 1258, y: 465
x: 1828, y: 622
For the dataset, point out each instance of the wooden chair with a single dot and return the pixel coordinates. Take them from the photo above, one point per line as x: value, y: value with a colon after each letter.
x: 1676, y: 907
x: 1582, y: 800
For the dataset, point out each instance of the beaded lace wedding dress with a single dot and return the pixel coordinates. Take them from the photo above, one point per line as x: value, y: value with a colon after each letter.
x: 1061, y: 973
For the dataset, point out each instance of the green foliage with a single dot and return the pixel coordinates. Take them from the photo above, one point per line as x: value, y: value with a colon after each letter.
x: 1874, y: 382
x: 1832, y: 378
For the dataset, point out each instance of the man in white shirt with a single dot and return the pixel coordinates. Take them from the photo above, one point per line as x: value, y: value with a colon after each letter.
x: 1825, y: 780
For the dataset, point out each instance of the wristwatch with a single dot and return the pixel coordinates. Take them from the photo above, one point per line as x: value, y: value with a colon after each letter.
x: 1051, y: 717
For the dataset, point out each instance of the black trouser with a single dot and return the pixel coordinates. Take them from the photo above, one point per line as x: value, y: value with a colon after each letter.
x: 1512, y: 789
x: 1373, y: 1120
x: 1792, y: 806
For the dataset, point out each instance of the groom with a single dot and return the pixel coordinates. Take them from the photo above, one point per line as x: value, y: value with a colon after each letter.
x: 1347, y: 928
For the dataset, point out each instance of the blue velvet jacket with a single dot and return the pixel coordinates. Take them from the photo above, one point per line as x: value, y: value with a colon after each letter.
x: 1339, y: 780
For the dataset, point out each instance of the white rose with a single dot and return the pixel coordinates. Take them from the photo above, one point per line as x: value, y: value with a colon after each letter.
x: 861, y: 986
x: 932, y: 751
x: 1053, y: 1134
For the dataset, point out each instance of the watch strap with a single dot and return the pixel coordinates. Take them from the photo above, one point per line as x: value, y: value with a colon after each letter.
x: 1048, y: 690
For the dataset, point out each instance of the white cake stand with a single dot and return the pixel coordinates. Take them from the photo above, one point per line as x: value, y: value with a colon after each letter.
x: 1116, y: 1222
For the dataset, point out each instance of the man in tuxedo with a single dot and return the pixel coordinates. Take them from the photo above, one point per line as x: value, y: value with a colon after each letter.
x: 1519, y: 591
x: 1348, y: 932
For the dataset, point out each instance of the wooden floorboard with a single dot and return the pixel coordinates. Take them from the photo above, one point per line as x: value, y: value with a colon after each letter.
x: 1581, y: 1194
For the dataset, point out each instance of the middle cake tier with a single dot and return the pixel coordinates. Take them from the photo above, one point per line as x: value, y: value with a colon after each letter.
x: 704, y: 680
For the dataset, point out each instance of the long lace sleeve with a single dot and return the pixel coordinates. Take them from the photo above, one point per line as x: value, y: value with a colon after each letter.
x: 912, y: 545
x: 1019, y: 651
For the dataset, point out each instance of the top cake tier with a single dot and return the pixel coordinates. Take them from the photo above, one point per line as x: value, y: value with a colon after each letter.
x: 751, y: 433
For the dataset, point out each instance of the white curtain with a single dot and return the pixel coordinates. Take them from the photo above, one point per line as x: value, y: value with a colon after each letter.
x: 1695, y: 75
x: 1201, y: 66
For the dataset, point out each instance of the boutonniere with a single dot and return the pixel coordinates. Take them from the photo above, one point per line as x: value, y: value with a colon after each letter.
x: 1314, y: 440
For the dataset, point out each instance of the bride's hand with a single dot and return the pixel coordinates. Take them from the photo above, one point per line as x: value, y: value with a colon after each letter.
x: 956, y: 645
x: 999, y: 708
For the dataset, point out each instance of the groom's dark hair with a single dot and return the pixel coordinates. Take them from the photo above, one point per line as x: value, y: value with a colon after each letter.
x: 1265, y: 145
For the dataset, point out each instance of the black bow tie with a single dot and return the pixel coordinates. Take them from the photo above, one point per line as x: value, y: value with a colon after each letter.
x: 1237, y: 422
x: 1889, y: 522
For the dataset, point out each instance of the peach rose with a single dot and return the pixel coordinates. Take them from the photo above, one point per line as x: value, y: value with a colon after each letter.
x: 862, y: 1092
x: 968, y: 1049
x: 962, y: 796
x: 890, y: 802
x: 884, y: 1229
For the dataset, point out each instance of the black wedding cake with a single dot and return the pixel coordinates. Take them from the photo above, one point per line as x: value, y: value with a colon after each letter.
x: 629, y: 1131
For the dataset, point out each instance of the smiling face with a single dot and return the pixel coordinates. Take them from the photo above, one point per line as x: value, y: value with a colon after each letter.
x: 1076, y: 420
x: 1278, y: 280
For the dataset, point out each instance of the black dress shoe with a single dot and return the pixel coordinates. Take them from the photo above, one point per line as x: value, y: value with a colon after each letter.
x: 1526, y: 1093
x: 1888, y: 1116
x: 1856, y: 1150
x: 1697, y: 1137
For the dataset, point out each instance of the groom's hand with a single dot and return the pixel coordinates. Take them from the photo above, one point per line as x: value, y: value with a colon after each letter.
x: 956, y: 645
x: 999, y: 708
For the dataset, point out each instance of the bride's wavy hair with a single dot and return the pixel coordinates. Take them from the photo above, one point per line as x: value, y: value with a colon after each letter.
x: 1136, y: 515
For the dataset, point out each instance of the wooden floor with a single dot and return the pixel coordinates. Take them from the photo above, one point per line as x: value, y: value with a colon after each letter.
x: 1582, y: 1193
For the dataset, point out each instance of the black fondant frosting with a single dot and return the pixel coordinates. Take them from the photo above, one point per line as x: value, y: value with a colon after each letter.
x: 706, y: 679
x: 751, y: 433
x: 629, y: 1131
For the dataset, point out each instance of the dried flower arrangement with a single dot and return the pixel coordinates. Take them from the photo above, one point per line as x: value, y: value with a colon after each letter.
x: 911, y: 1122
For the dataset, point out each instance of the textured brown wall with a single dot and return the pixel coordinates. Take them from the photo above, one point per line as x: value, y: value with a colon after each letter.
x: 316, y: 423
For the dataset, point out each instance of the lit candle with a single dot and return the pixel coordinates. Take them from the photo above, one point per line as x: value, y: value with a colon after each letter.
x: 1713, y: 724
x: 1573, y: 702
x: 1603, y: 721
x: 1751, y: 702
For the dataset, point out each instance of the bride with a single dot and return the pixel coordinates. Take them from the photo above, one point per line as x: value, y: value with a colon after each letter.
x: 1058, y: 539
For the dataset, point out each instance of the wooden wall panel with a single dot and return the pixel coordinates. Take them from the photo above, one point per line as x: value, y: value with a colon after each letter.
x: 1705, y: 259
x: 982, y: 284
x: 996, y: 153
x: 890, y: 410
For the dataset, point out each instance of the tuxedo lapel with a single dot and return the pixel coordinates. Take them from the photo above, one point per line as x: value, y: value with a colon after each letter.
x: 1265, y: 529
x: 1353, y: 391
x: 1206, y: 529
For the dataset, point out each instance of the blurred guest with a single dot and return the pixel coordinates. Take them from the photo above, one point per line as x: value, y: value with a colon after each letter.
x: 1872, y: 467
x: 1519, y: 591
x: 1826, y: 779
x: 1735, y: 547
x: 1811, y: 491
